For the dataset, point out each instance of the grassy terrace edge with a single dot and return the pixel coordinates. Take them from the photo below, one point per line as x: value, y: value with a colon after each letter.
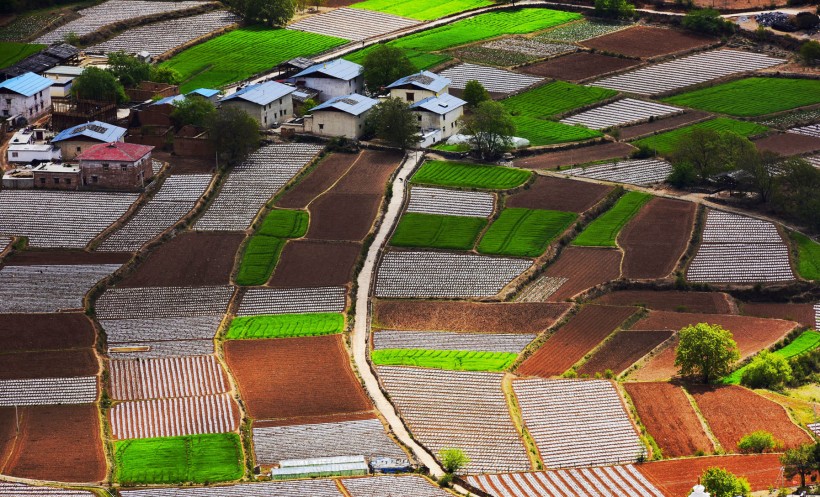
x: 454, y: 360
x: 806, y: 342
x: 285, y: 325
x: 467, y: 175
x: 604, y: 230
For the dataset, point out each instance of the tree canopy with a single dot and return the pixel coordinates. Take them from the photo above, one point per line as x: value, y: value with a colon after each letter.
x: 235, y: 134
x: 453, y: 459
x: 97, y: 84
x: 275, y: 13
x: 193, y: 110
x: 705, y: 350
x: 385, y: 64
x: 490, y: 127
x: 131, y: 71
x: 703, y: 153
x: 393, y: 121
x: 722, y: 483
x: 800, y: 461
x: 767, y: 370
x: 475, y: 93
x: 614, y: 9
x: 706, y: 21
x: 758, y: 442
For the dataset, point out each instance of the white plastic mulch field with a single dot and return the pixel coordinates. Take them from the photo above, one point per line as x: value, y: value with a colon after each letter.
x: 175, y: 416
x: 257, y: 301
x: 634, y: 172
x: 448, y: 340
x: 163, y: 302
x: 166, y: 377
x: 353, y: 24
x: 48, y: 288
x: 810, y: 130
x: 297, y: 488
x: 44, y: 391
x: 445, y: 202
x: 386, y: 486
x: 529, y: 46
x: 494, y: 80
x: 20, y: 490
x: 621, y: 113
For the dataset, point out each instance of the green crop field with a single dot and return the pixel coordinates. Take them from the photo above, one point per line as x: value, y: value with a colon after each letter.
x: 286, y: 325
x: 524, y: 232
x: 464, y: 175
x: 421, y: 60
x: 259, y: 260
x: 12, y: 53
x: 436, y: 231
x: 169, y: 460
x: 664, y: 143
x: 459, y: 360
x: 752, y: 96
x: 807, y: 341
x: 284, y: 223
x: 555, y: 98
x: 242, y: 53
x: 544, y: 132
x: 603, y: 231
x: 423, y: 10
x: 808, y: 256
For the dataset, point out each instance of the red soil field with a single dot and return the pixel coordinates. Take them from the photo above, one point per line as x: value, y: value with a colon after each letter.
x: 802, y: 313
x: 342, y: 216
x: 306, y: 420
x: 294, y: 377
x: 670, y: 418
x: 60, y: 442
x: 672, y: 122
x: 429, y: 315
x: 185, y: 165
x: 654, y: 240
x: 322, y: 177
x: 579, y: 66
x: 788, y: 144
x: 48, y: 364
x: 585, y: 267
x: 572, y: 341
x: 675, y: 478
x: 208, y: 260
x: 65, y: 257
x: 647, y: 41
x: 370, y: 174
x: 623, y: 350
x: 573, y: 156
x: 308, y: 263
x: 704, y: 302
x: 19, y: 332
x: 8, y: 434
x: 558, y: 194
x: 720, y: 406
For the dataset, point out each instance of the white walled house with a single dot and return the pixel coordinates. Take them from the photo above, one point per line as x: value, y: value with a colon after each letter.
x: 340, y: 116
x: 269, y: 103
x: 419, y: 86
x: 63, y: 77
x: 439, y: 113
x: 24, y: 148
x: 332, y: 79
x: 26, y: 95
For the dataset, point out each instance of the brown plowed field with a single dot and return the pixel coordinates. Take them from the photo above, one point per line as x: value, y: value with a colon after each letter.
x: 322, y: 177
x: 670, y: 418
x: 19, y: 332
x: 675, y: 478
x: 648, y: 41
x: 559, y: 194
x: 573, y: 156
x: 466, y: 316
x: 722, y: 406
x: 190, y: 259
x: 60, y: 442
x: 672, y: 122
x: 370, y: 174
x: 48, y: 364
x: 585, y: 268
x: 342, y: 216
x: 65, y: 257
x: 292, y: 377
x: 705, y: 302
x: 308, y: 420
x: 654, y: 240
x: 572, y: 341
x: 308, y: 263
x: 788, y: 144
x: 802, y: 313
x: 579, y: 66
x: 185, y: 165
x: 623, y: 350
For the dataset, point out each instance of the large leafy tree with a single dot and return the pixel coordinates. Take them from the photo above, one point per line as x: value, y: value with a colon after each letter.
x: 767, y: 370
x: 475, y: 93
x: 707, y: 152
x: 797, y: 195
x: 491, y: 129
x: 128, y: 69
x: 385, y: 64
x: 453, y: 459
x: 800, y: 461
x: 235, y: 134
x: 722, y: 483
x: 706, y: 21
x: 705, y: 350
x: 193, y: 110
x: 614, y: 9
x: 393, y: 121
x: 276, y: 13
x: 97, y: 84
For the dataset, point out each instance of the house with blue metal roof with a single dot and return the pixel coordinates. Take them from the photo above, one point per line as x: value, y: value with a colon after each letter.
x: 340, y: 116
x: 336, y: 78
x: 269, y: 103
x: 419, y: 86
x: 26, y: 95
x: 441, y: 113
x: 75, y: 140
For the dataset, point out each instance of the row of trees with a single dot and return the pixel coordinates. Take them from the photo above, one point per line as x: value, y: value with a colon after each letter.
x: 124, y: 71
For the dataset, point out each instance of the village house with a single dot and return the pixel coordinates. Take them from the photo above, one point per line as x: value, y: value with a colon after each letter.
x: 63, y: 77
x: 332, y: 79
x: 75, y: 140
x: 29, y: 145
x: 419, y: 86
x: 269, y: 103
x: 55, y: 176
x: 340, y: 116
x: 116, y: 166
x: 26, y: 95
x: 439, y: 113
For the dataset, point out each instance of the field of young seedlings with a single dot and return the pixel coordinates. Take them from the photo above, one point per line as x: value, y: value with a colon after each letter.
x: 665, y: 143
x: 424, y: 10
x: 524, y: 232
x: 464, y: 175
x: 752, y: 97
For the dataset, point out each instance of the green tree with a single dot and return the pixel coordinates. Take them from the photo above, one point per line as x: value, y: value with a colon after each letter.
x: 797, y: 196
x: 491, y: 129
x: 721, y: 483
x: 475, y: 93
x: 385, y: 64
x: 614, y: 9
x: 235, y: 134
x: 810, y: 52
x: 97, y: 84
x: 707, y: 152
x: 799, y: 461
x: 276, y: 13
x: 162, y: 74
x: 763, y: 173
x: 128, y: 69
x: 706, y: 21
x: 193, y: 110
x: 393, y: 121
x: 758, y: 442
x: 767, y: 370
x: 705, y: 350
x: 453, y: 460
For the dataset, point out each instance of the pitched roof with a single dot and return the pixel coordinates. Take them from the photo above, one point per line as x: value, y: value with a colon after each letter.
x: 116, y: 151
x: 339, y: 69
x: 204, y: 92
x: 169, y: 100
x: 354, y: 104
x: 440, y: 105
x: 425, y: 80
x: 96, y: 130
x: 26, y: 84
x: 261, y: 93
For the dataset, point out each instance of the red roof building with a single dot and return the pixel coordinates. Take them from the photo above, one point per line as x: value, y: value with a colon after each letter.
x: 116, y: 166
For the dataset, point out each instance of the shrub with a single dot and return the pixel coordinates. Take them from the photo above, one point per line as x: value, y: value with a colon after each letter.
x: 453, y: 459
x: 758, y: 442
x: 614, y: 9
x: 810, y: 52
x: 721, y: 483
x: 706, y: 21
x: 767, y: 370
x: 806, y: 20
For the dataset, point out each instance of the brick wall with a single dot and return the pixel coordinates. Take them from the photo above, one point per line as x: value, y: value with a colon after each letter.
x: 122, y: 176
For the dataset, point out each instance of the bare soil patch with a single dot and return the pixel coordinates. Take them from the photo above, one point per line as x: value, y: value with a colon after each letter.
x: 343, y: 216
x: 676, y: 121
x: 48, y: 364
x: 425, y: 315
x: 22, y: 332
x: 719, y: 406
x: 585, y: 268
x: 370, y: 174
x: 322, y: 177
x: 648, y: 41
x: 572, y: 341
x: 65, y: 258
x: 802, y: 313
x: 670, y: 418
x: 559, y: 194
x: 574, y: 156
x: 655, y: 239
x: 789, y: 144
x: 294, y: 377
x: 185, y: 165
x: 623, y: 350
x: 190, y: 259
x: 703, y: 302
x: 579, y: 66
x: 309, y: 263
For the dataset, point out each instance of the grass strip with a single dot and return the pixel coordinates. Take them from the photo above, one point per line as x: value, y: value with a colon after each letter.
x: 665, y: 143
x: 437, y: 231
x: 465, y: 175
x: 259, y: 260
x: 284, y: 223
x: 806, y: 342
x: 554, y: 98
x: 285, y: 325
x: 808, y: 256
x: 603, y: 231
x: 422, y: 10
x: 751, y: 97
x: 543, y: 132
x: 12, y: 53
x: 524, y: 232
x: 457, y: 360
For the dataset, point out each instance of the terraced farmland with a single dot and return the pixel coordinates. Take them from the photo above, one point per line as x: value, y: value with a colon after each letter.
x: 465, y: 175
x: 166, y: 377
x: 11, y: 53
x: 352, y: 24
x: 665, y: 143
x: 607, y: 480
x: 506, y: 52
x: 494, y: 80
x: 450, y: 202
x: 167, y: 302
x: 48, y: 288
x: 456, y: 360
x: 621, y: 113
x: 296, y: 488
x: 424, y: 10
x: 285, y: 325
x: 554, y: 98
x: 174, y: 417
x: 641, y: 172
x: 258, y: 301
x: 437, y: 231
x: 445, y: 340
x: 524, y: 232
x: 603, y: 231
x: 45, y: 391
x: 582, y: 30
x: 379, y: 486
x: 20, y: 490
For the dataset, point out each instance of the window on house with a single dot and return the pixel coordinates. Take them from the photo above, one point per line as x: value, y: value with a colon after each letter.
x: 105, y: 167
x: 321, y: 126
x: 280, y: 101
x: 42, y: 181
x: 95, y: 179
x: 79, y: 149
x: 56, y: 181
x: 14, y: 154
x: 68, y: 181
x: 5, y: 113
x: 8, y: 101
x: 123, y: 167
x: 419, y: 117
x: 411, y: 97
